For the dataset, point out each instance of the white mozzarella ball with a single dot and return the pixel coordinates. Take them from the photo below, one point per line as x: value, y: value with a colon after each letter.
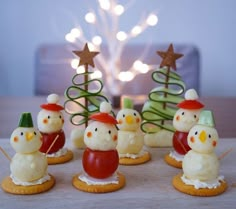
x: 25, y: 140
x: 185, y: 119
x: 203, y: 139
x: 128, y: 120
x: 100, y: 136
x: 50, y: 121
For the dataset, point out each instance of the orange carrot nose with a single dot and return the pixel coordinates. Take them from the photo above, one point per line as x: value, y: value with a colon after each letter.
x: 29, y: 136
x: 129, y: 119
x: 177, y: 117
x: 202, y: 136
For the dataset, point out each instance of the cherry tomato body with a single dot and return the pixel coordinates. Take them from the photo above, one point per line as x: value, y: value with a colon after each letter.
x: 100, y: 164
x: 180, y: 142
x: 48, y: 140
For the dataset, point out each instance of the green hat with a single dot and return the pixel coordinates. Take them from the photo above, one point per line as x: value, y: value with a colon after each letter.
x: 206, y: 118
x: 26, y: 120
x: 127, y: 103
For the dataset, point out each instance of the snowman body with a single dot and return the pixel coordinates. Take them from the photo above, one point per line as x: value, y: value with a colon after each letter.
x: 28, y: 164
x: 130, y: 138
x: 28, y: 167
x: 100, y: 158
x: 201, y: 163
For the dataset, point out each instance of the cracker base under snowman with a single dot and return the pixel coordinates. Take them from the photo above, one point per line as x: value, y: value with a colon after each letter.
x: 191, y: 190
x: 145, y: 157
x: 98, y: 188
x: 172, y: 161
x: 60, y: 159
x: 9, y: 187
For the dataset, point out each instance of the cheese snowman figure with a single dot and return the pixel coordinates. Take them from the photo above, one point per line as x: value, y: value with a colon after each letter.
x: 100, y: 158
x: 50, y: 123
x: 201, y: 164
x: 184, y: 119
x: 130, y: 138
x: 28, y: 166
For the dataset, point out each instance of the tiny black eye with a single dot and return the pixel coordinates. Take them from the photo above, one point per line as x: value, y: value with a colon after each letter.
x: 123, y: 115
x: 21, y: 133
x: 196, y: 133
x: 109, y: 131
x: 195, y: 116
x: 60, y: 116
x: 96, y: 129
x: 182, y: 113
x: 135, y: 114
x: 48, y: 117
x: 35, y: 133
x: 209, y: 135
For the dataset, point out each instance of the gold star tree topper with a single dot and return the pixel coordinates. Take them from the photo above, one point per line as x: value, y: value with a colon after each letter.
x: 169, y: 57
x: 86, y: 56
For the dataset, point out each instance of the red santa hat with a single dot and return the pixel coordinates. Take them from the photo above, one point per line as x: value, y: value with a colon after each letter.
x: 104, y: 116
x: 52, y: 105
x: 191, y: 101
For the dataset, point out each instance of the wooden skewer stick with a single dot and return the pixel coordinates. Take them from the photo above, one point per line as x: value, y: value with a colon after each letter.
x: 4, y: 152
x: 52, y: 144
x: 225, y: 153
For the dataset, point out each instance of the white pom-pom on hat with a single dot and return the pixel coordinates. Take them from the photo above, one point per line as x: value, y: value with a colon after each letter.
x: 53, y: 99
x: 191, y: 94
x: 105, y: 107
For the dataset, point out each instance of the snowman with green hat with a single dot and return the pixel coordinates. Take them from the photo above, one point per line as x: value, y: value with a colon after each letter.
x: 28, y: 166
x: 201, y: 164
x: 130, y: 137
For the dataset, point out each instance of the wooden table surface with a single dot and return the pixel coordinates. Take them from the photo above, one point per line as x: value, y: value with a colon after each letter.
x: 147, y: 186
x: 11, y: 107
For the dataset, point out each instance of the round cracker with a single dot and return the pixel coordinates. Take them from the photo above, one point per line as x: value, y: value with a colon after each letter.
x: 83, y: 186
x: 135, y: 161
x: 203, y: 192
x: 172, y: 161
x: 61, y: 159
x: 9, y: 186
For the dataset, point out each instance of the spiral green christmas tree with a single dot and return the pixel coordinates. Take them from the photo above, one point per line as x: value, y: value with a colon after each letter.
x: 159, y: 110
x: 79, y: 109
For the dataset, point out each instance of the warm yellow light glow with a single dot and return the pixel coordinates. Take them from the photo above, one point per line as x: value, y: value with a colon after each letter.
x: 137, y: 65
x: 141, y: 67
x: 69, y: 37
x: 91, y: 46
x: 136, y: 30
x: 144, y: 69
x: 97, y: 40
x: 152, y: 20
x: 75, y: 32
x: 126, y: 76
x: 105, y: 4
x: 90, y: 17
x: 96, y: 74
x: 80, y: 69
x: 121, y: 36
x: 74, y: 63
x: 119, y: 9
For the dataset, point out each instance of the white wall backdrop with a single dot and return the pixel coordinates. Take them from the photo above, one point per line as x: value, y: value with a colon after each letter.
x: 209, y: 24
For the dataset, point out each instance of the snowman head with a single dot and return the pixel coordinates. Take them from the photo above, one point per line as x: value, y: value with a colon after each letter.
x: 50, y: 119
x: 25, y: 138
x: 128, y: 118
x: 101, y: 134
x: 203, y: 137
x: 188, y: 113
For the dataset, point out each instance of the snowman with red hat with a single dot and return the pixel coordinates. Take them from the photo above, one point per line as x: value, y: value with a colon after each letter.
x: 100, y: 158
x: 50, y: 123
x: 184, y: 119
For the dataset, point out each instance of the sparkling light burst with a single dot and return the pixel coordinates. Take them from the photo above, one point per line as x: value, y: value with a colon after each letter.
x: 100, y: 21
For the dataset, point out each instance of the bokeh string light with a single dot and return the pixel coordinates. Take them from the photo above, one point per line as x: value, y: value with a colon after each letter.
x: 102, y: 20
